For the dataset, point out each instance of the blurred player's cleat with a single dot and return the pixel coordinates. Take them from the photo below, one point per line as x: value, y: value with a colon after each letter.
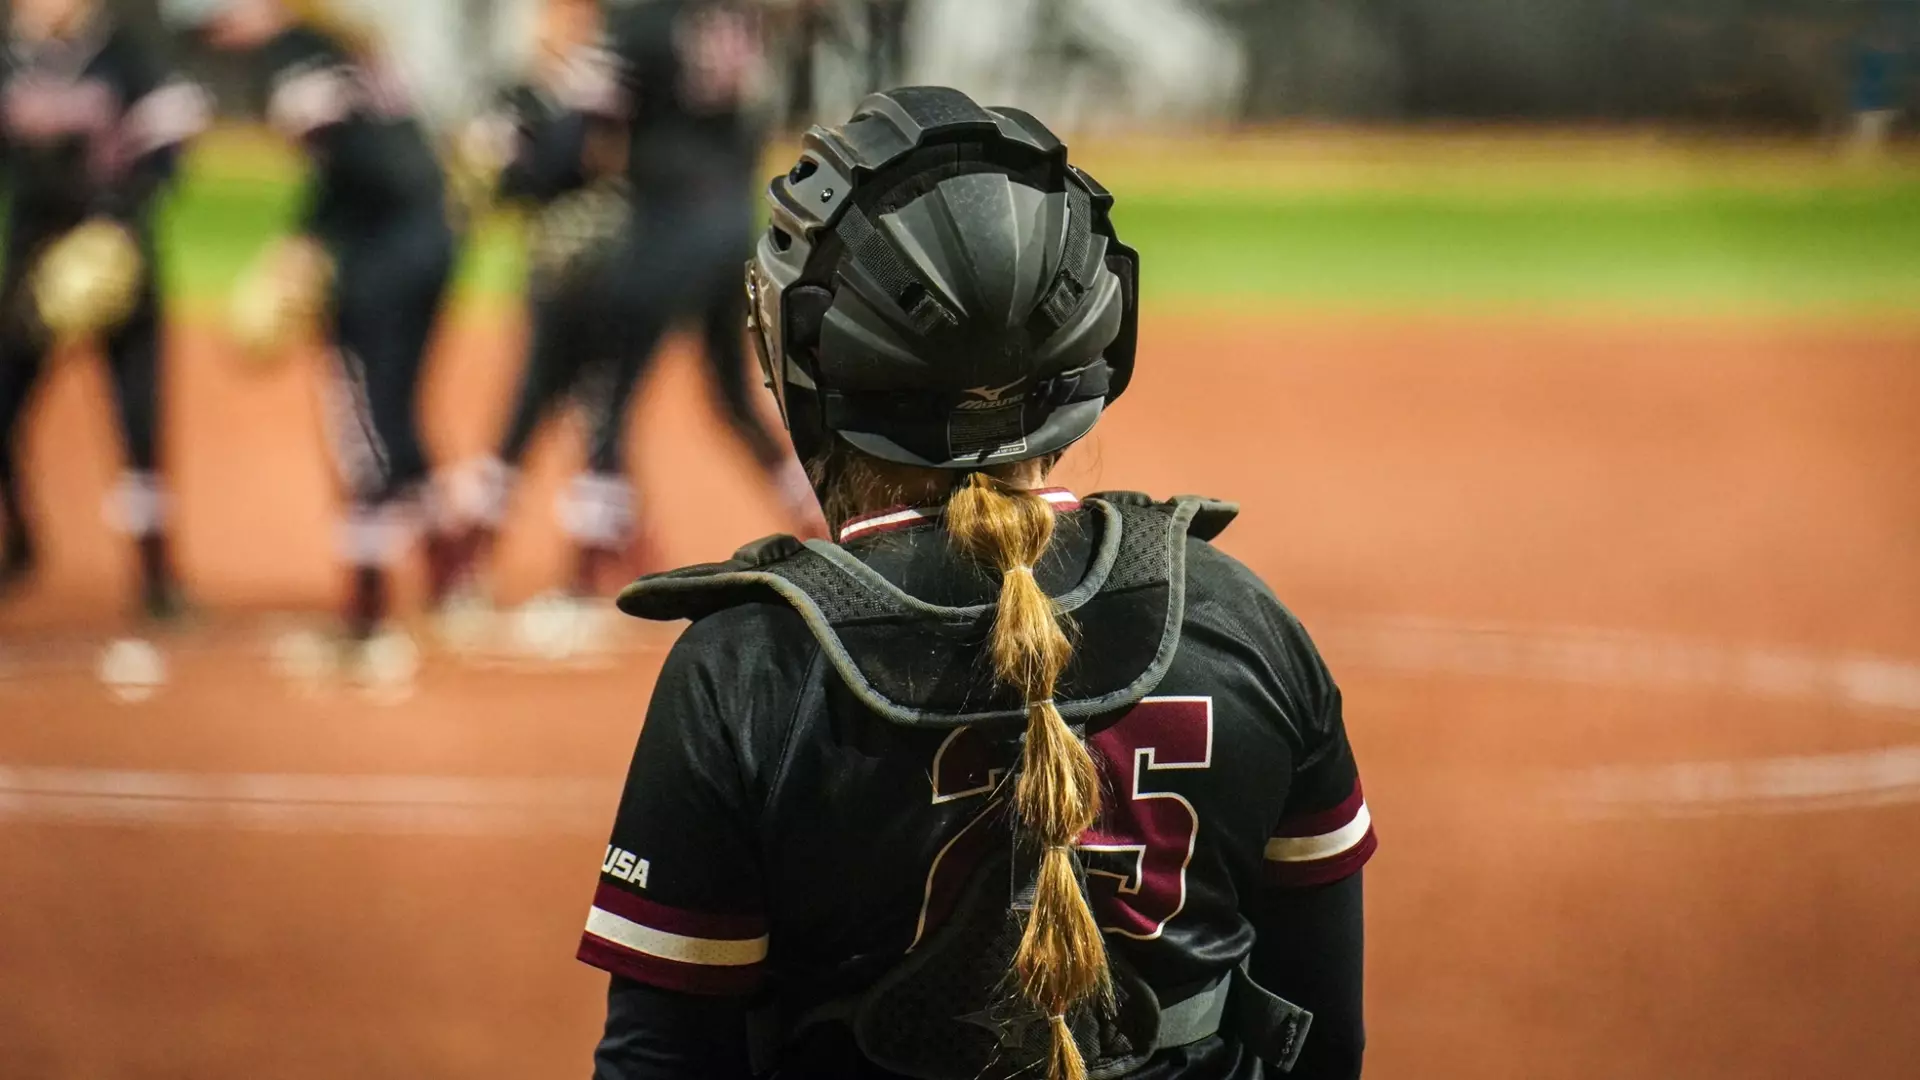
x: 466, y: 621
x: 132, y: 670
x: 309, y: 659
x: 366, y: 602
x: 385, y: 665
x: 543, y: 627
x: 164, y: 602
x: 557, y: 627
x: 161, y: 597
x: 594, y: 622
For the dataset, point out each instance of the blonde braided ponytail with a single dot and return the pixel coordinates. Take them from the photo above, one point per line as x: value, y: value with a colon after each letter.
x: 1061, y: 960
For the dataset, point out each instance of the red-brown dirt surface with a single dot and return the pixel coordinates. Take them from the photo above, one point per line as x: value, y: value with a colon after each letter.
x: 1688, y: 553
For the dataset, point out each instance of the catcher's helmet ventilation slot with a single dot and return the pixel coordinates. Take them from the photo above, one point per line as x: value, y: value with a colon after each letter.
x: 946, y: 304
x: 912, y: 295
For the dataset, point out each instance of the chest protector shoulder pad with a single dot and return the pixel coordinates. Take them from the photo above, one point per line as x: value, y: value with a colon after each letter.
x: 922, y: 665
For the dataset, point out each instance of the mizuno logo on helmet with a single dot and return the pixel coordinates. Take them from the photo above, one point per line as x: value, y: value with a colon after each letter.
x: 986, y: 397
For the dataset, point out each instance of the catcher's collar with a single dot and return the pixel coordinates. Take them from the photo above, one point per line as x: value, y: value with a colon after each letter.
x: 922, y: 665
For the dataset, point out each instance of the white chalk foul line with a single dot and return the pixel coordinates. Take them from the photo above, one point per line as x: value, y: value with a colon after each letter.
x: 448, y: 805
x: 1617, y: 659
x: 1767, y: 785
x: 1623, y: 659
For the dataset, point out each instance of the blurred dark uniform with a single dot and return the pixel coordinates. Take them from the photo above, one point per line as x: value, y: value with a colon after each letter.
x: 575, y: 224
x: 92, y: 127
x: 682, y: 78
x: 578, y: 221
x: 376, y: 200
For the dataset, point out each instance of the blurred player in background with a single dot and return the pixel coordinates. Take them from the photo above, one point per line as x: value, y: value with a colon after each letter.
x: 375, y: 239
x: 92, y: 119
x: 886, y: 42
x: 540, y: 152
x: 683, y: 80
x: 834, y: 52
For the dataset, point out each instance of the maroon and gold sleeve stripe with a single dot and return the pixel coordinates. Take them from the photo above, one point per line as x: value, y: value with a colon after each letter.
x: 673, y: 948
x: 1321, y: 847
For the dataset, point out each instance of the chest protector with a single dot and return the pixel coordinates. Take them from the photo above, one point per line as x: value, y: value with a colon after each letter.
x: 948, y: 1011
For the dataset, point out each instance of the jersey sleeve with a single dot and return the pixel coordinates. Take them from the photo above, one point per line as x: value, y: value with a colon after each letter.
x: 160, y: 112
x: 679, y: 900
x: 310, y: 86
x: 1325, y: 832
x: 549, y: 147
x: 162, y: 108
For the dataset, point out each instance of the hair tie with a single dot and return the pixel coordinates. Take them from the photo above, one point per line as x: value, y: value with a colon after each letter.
x: 1027, y: 570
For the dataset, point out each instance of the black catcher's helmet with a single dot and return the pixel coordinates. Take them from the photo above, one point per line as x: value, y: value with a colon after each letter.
x: 940, y: 288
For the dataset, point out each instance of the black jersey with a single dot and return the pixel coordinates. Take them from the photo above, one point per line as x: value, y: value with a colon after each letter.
x: 686, y: 78
x: 548, y: 147
x: 357, y: 123
x: 90, y: 123
x: 774, y: 834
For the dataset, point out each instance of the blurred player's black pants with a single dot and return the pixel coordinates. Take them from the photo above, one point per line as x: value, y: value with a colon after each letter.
x: 390, y: 279
x: 389, y: 285
x: 683, y: 258
x: 133, y: 364
x: 560, y: 360
x: 594, y: 335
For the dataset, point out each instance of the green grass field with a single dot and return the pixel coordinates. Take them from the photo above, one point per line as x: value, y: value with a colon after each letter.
x: 1376, y: 224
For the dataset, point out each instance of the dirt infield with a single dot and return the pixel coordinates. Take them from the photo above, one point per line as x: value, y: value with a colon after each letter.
x: 1628, y: 618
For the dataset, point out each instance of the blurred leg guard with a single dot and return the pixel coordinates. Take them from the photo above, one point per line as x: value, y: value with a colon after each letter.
x: 138, y: 507
x: 485, y: 490
x: 372, y: 540
x: 597, y: 514
x: 478, y: 496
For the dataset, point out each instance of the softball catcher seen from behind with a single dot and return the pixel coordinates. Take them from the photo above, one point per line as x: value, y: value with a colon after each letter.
x: 92, y: 119
x: 1007, y: 782
x: 375, y: 237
